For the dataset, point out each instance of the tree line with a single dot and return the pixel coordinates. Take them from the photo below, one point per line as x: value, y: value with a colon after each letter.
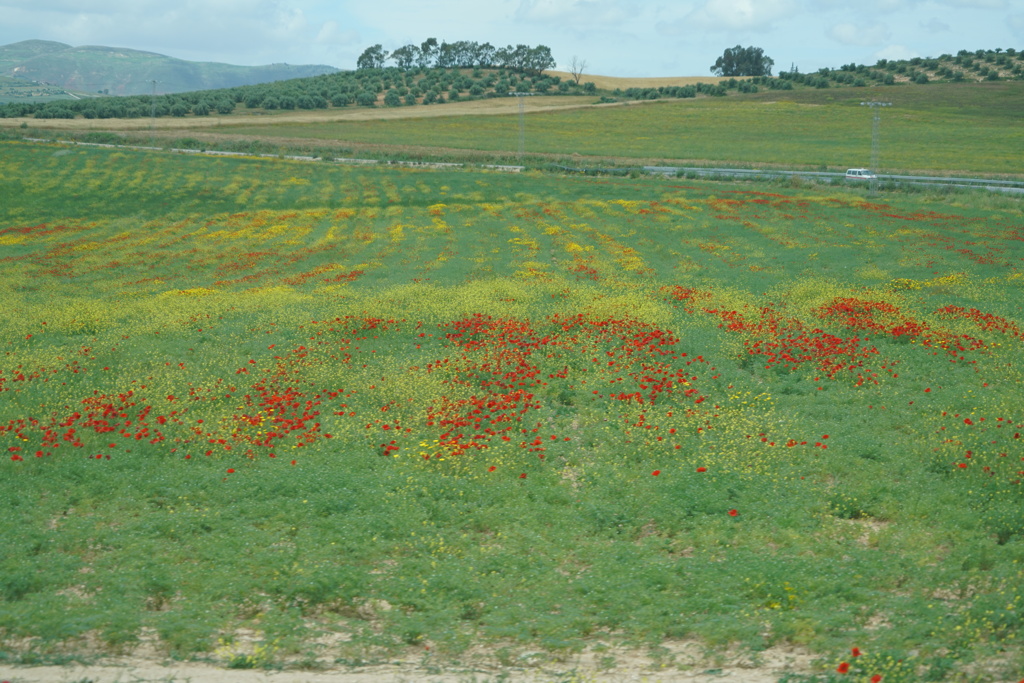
x: 462, y: 54
x: 368, y: 87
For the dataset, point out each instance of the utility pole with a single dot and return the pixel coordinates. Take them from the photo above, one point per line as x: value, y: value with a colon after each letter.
x: 522, y: 122
x: 876, y: 120
x: 152, y: 114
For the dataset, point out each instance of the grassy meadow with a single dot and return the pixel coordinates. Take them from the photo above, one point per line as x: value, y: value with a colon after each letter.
x: 286, y: 414
x: 941, y: 128
x: 944, y: 128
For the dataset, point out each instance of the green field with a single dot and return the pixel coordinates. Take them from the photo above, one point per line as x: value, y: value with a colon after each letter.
x: 945, y: 128
x: 495, y: 420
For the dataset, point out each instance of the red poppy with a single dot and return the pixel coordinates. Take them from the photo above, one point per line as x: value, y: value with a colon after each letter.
x: 655, y: 473
x: 734, y: 512
x: 855, y: 652
x: 231, y: 470
x: 877, y: 678
x: 523, y: 475
x: 843, y: 667
x: 702, y: 469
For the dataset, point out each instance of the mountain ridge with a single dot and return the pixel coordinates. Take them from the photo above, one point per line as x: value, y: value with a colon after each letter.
x: 124, y: 71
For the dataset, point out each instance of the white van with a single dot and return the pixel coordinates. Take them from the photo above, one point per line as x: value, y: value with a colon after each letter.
x: 860, y: 174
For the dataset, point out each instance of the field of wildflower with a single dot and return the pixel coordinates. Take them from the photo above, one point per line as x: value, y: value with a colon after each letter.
x: 350, y: 412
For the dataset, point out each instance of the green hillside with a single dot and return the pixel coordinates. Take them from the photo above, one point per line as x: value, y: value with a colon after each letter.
x: 16, y: 53
x: 120, y: 71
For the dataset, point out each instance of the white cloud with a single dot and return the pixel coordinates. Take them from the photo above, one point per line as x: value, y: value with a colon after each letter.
x: 896, y: 52
x: 935, y: 25
x: 618, y: 37
x: 587, y: 12
x: 733, y: 15
x: 976, y: 4
x: 849, y: 33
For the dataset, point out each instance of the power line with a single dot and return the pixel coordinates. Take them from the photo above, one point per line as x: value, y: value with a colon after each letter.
x: 152, y: 114
x: 522, y: 121
x: 876, y: 120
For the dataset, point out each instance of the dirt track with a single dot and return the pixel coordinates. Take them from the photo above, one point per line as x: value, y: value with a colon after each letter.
x: 502, y: 105
x: 769, y: 666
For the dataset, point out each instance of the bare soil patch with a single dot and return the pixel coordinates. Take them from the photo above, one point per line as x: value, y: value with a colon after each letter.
x: 486, y: 107
x: 613, y: 82
x: 684, y: 662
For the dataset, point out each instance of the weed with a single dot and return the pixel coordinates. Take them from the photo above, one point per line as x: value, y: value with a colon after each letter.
x: 437, y: 408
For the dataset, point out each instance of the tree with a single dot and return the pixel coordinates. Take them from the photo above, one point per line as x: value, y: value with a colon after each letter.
x: 483, y: 55
x: 540, y: 59
x: 372, y: 58
x: 576, y: 67
x: 428, y: 51
x: 743, y: 61
x: 406, y: 57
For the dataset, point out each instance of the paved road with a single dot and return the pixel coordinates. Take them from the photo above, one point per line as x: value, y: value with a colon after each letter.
x: 1012, y: 186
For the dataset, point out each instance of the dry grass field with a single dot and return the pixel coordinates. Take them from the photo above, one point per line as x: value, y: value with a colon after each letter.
x: 613, y: 82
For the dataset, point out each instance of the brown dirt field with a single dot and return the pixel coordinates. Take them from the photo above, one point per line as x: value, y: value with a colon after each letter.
x: 685, y: 663
x: 501, y: 105
x: 613, y: 82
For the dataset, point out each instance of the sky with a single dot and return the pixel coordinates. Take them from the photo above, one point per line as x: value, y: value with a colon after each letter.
x: 627, y: 38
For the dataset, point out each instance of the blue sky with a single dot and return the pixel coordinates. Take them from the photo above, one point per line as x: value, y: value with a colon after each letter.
x: 614, y: 37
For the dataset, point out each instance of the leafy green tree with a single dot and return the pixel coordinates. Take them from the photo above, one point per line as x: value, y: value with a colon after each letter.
x: 428, y: 52
x: 743, y: 61
x: 483, y: 55
x: 406, y: 57
x: 539, y: 59
x: 393, y: 99
x: 372, y: 58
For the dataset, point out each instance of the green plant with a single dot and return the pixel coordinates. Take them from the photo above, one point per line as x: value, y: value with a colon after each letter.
x: 438, y: 408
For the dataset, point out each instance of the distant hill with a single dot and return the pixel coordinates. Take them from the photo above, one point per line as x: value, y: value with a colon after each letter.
x: 395, y: 87
x: 120, y: 71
